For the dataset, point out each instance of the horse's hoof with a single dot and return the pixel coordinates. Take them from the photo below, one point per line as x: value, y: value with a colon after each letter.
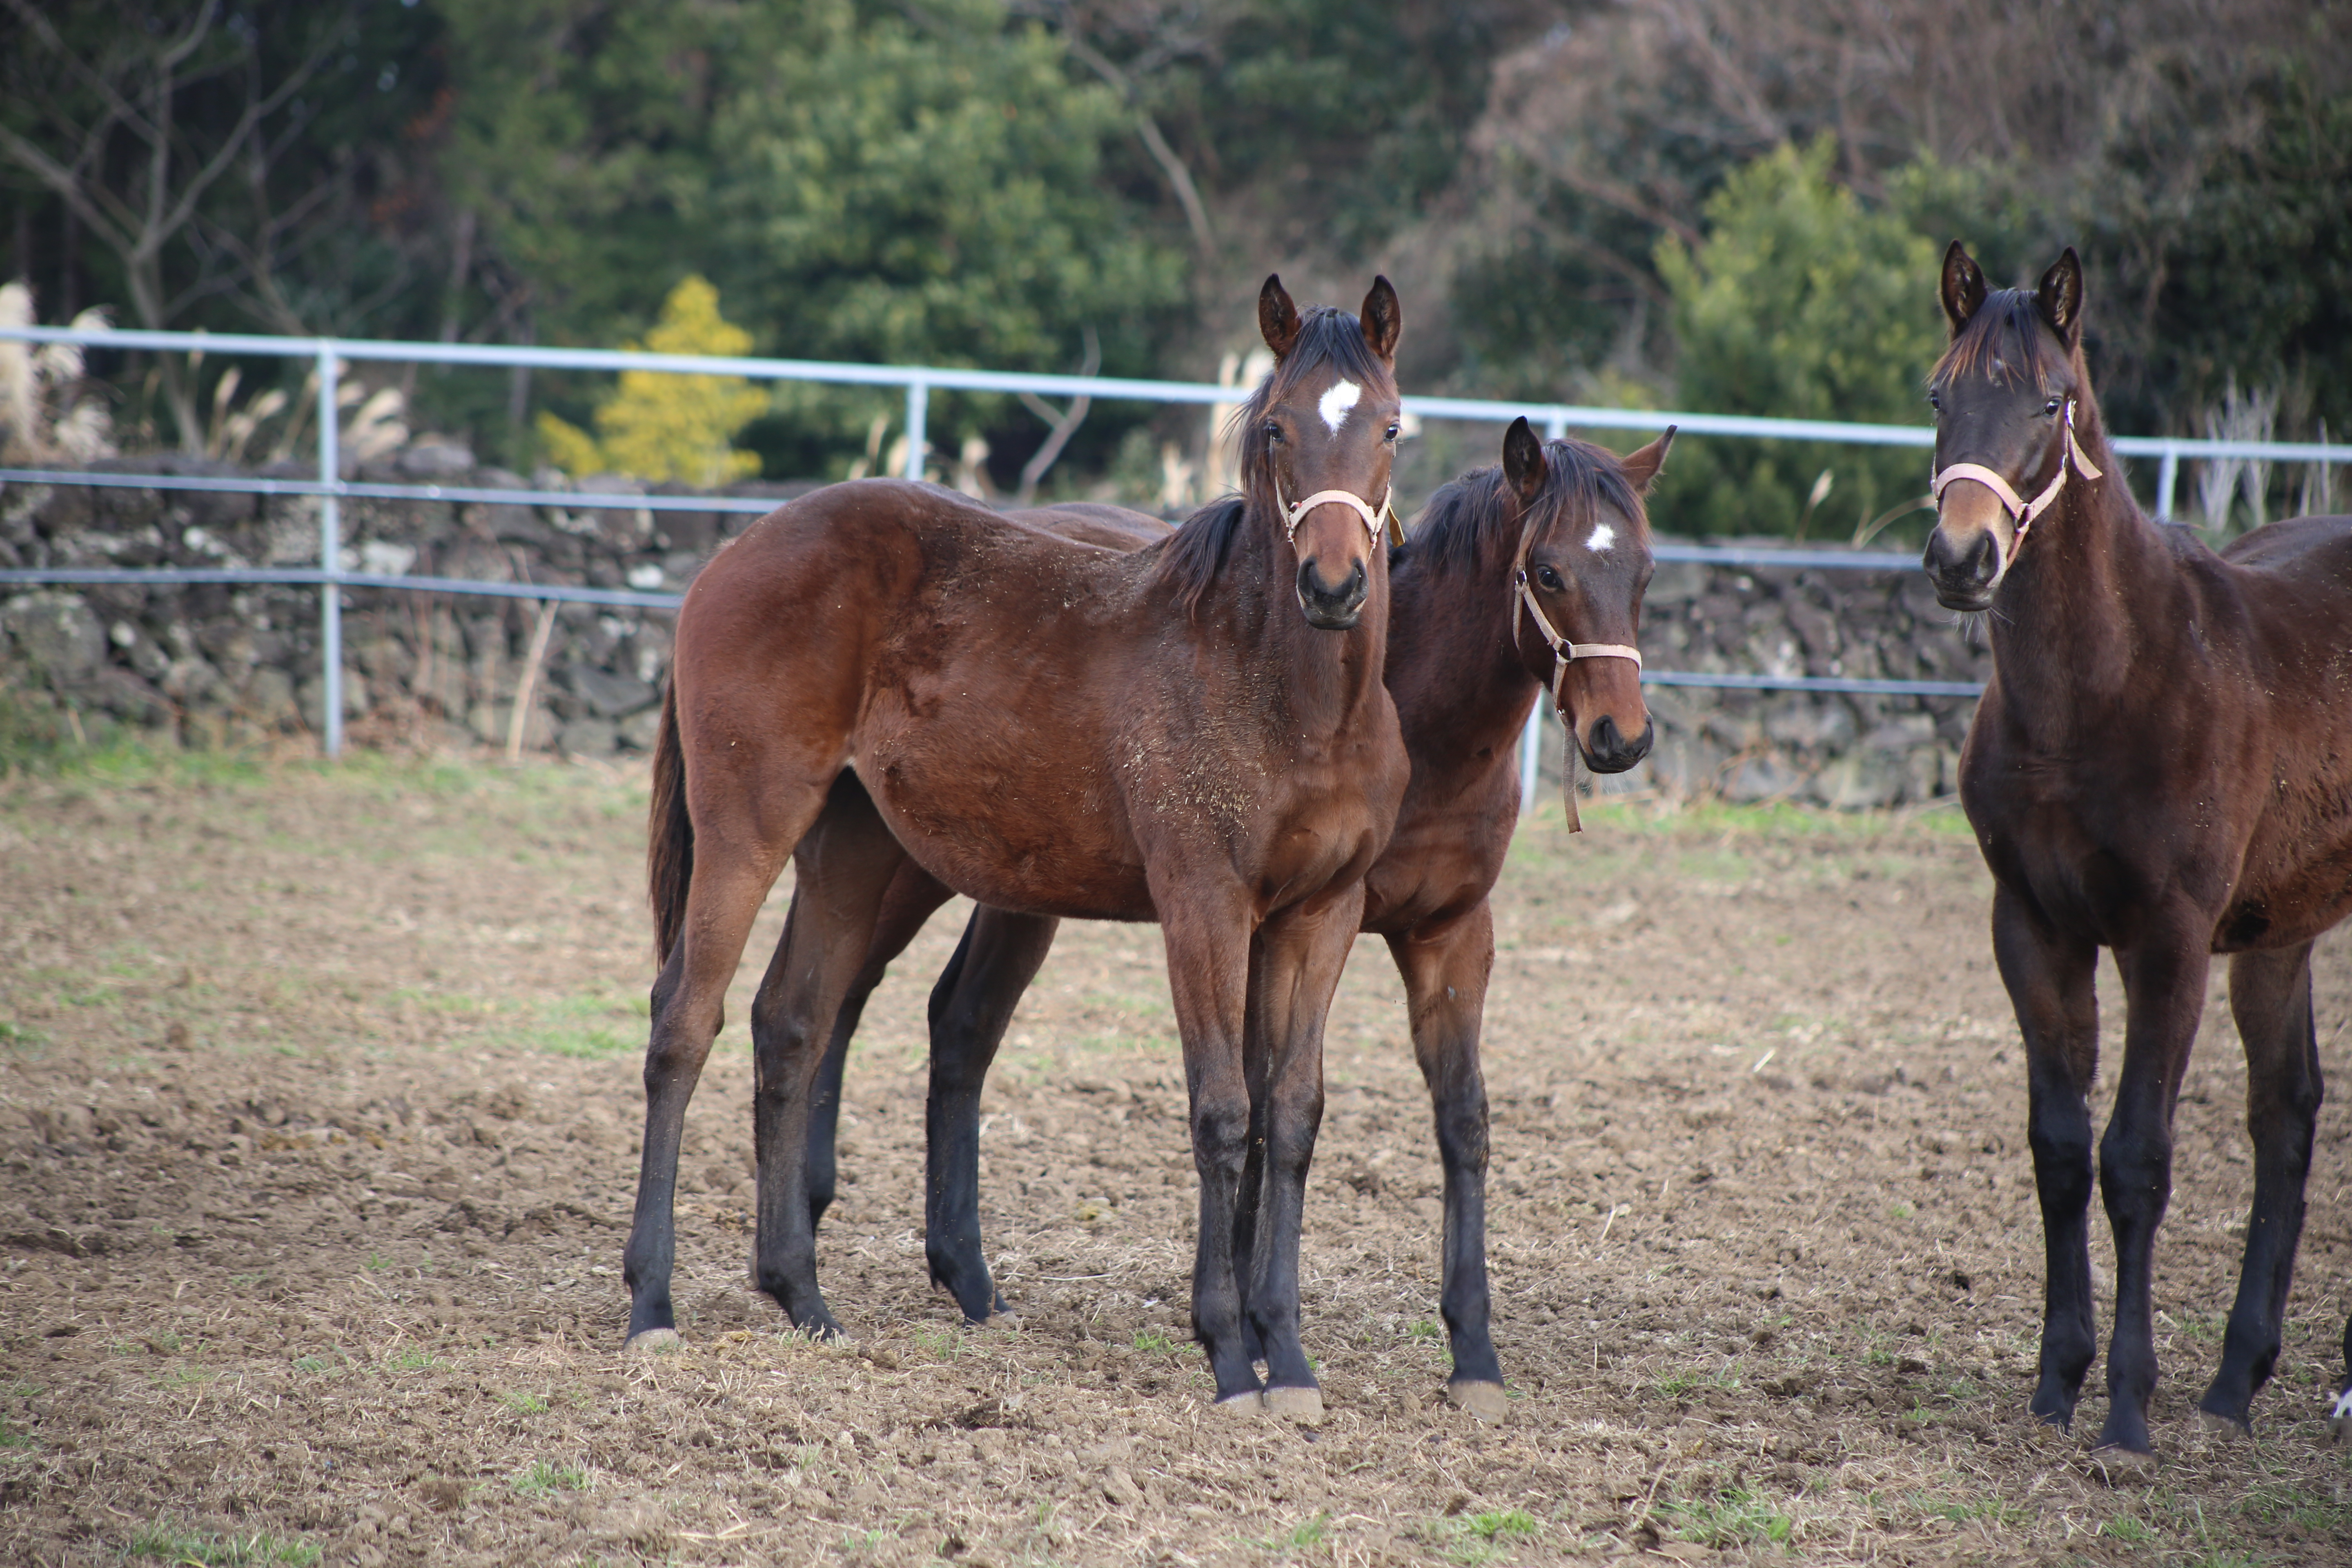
x: 1485, y: 1401
x: 2219, y: 1429
x: 1249, y: 1406
x: 2339, y: 1418
x: 654, y: 1342
x: 2119, y: 1466
x: 1304, y: 1406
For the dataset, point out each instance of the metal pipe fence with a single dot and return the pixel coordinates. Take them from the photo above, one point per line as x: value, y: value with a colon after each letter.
x: 330, y: 488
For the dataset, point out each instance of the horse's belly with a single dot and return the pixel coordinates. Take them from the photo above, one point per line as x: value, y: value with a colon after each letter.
x: 1039, y: 838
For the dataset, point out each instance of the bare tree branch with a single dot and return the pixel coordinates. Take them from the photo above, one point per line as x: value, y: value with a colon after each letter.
x: 1180, y: 178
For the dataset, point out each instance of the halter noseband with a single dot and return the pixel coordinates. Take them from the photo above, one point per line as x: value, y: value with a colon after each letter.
x: 1292, y: 516
x: 2023, y: 511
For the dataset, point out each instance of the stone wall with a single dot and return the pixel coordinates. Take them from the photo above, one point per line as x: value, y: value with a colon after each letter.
x: 221, y: 665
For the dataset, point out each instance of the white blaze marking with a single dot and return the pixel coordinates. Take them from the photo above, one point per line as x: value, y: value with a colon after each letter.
x: 1603, y: 536
x: 1335, y: 403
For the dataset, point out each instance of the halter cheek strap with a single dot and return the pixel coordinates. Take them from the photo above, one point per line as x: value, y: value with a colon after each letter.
x: 1564, y: 652
x: 2024, y: 512
x: 1292, y: 516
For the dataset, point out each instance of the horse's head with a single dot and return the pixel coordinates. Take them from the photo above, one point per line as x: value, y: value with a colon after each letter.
x: 1584, y: 560
x: 2007, y: 393
x: 1321, y: 435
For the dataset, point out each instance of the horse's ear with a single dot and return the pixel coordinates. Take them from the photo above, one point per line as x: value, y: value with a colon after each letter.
x: 1523, y: 460
x: 1640, y: 468
x: 1278, y: 317
x: 1963, y: 287
x: 2060, y: 297
x: 1383, y: 318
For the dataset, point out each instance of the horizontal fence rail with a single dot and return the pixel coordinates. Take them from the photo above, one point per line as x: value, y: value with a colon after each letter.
x: 917, y: 381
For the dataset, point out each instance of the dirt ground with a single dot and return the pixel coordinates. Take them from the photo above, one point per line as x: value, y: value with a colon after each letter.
x: 319, y: 1105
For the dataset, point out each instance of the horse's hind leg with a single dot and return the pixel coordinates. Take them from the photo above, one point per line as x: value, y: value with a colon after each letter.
x: 972, y: 1006
x: 2339, y: 1418
x: 841, y: 867
x: 2270, y: 994
x: 2051, y: 983
x: 914, y: 897
x: 1445, y: 973
x: 734, y: 871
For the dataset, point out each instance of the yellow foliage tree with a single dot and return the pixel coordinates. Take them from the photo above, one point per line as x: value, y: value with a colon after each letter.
x: 659, y: 426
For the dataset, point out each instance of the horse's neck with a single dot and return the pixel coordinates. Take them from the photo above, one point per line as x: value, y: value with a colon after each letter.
x: 1462, y: 692
x: 1323, y: 678
x: 2079, y: 606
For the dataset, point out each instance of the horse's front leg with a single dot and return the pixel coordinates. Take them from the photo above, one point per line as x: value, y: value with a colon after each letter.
x: 2164, y: 990
x: 1304, y: 948
x: 1205, y: 924
x: 972, y: 1005
x: 2050, y: 980
x: 2270, y: 996
x: 1445, y: 969
x: 842, y: 869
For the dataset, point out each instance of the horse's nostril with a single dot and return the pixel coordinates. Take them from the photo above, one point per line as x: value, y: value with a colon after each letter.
x: 1604, y: 740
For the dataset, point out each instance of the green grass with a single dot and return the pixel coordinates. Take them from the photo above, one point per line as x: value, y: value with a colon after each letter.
x: 2128, y: 1529
x: 1480, y: 1538
x: 176, y: 1544
x: 1424, y: 1329
x: 1674, y: 1385
x: 1155, y: 1342
x: 1304, y: 1536
x: 12, y: 1439
x: 540, y: 1478
x: 524, y: 1403
x: 410, y: 1358
x: 1733, y: 1517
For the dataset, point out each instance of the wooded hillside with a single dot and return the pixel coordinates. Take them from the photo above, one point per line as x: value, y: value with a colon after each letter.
x: 1705, y: 204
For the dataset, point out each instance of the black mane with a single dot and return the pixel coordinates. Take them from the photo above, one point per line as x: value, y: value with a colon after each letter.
x: 1477, y: 513
x: 2007, y: 333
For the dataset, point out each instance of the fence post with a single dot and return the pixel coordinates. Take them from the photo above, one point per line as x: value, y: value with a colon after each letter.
x: 1530, y: 753
x: 2166, y: 478
x: 331, y: 557
x: 919, y: 407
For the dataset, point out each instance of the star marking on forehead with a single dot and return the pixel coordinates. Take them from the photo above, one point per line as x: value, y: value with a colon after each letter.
x: 1334, y: 405
x: 1603, y: 536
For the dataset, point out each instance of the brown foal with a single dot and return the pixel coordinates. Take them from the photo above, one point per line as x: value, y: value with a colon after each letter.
x: 1194, y: 733
x: 2161, y: 766
x: 1466, y: 660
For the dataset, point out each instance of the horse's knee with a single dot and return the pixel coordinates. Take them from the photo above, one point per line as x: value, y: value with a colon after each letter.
x: 2135, y: 1171
x: 1221, y: 1127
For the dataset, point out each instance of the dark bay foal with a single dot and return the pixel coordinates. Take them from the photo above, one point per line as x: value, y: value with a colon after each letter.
x: 2161, y: 766
x: 1467, y: 657
x: 1049, y: 726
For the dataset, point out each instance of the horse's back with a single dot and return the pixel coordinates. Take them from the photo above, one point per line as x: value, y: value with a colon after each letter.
x: 2316, y: 547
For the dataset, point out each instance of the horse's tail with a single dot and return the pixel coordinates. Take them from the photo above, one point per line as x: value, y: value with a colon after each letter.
x: 669, y: 833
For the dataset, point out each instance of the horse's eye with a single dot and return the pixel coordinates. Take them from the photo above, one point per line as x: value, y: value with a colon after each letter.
x: 1549, y: 579
x: 1936, y: 401
x: 1392, y: 433
x: 2053, y: 405
x: 1273, y: 431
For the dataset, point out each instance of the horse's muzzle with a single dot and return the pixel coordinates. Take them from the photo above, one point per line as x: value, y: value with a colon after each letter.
x: 1332, y: 609
x: 1963, y: 576
x: 1607, y: 751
